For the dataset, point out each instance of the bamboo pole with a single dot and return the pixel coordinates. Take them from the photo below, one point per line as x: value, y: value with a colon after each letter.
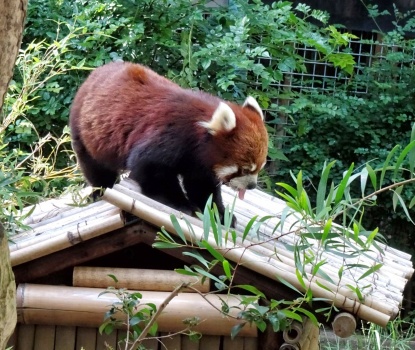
x: 40, y: 234
x: 376, y: 299
x: 392, y: 264
x: 142, y: 279
x: 263, y: 202
x: 249, y: 259
x: 83, y: 307
x: 72, y: 236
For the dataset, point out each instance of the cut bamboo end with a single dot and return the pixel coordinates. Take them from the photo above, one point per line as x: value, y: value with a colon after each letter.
x: 140, y: 279
x: 344, y: 325
x: 83, y: 307
x: 293, y: 333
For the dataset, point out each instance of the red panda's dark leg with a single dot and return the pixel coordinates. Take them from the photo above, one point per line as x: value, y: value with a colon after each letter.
x: 95, y: 173
x: 199, y: 189
x: 161, y: 184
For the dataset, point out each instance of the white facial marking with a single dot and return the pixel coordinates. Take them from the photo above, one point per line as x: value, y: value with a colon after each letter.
x: 223, y: 119
x: 262, y: 167
x: 225, y: 171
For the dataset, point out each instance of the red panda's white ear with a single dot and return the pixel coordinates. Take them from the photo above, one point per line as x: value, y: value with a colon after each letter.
x: 223, y: 119
x: 251, y: 102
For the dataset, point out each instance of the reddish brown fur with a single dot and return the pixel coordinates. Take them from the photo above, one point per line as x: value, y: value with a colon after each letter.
x: 124, y: 107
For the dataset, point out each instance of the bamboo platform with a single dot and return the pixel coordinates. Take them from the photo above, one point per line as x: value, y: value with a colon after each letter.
x: 61, y: 226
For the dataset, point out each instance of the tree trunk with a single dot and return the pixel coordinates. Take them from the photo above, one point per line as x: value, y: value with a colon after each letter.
x: 12, y: 17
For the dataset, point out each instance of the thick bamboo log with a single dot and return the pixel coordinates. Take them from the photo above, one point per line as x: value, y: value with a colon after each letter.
x: 141, y: 279
x: 344, y: 325
x: 82, y: 307
x: 251, y: 260
x: 71, y: 237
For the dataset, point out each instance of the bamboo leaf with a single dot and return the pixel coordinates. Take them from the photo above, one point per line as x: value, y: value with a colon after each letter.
x: 411, y: 155
x: 363, y: 180
x: 370, y: 271
x: 212, y: 251
x: 288, y: 284
x: 177, y: 228
x: 386, y: 164
x: 227, y: 269
x: 322, y: 186
x: 343, y: 184
x: 251, y: 289
x: 396, y: 194
x: 405, y: 209
x: 402, y: 156
x: 198, y: 257
x: 248, y: 227
x: 372, y: 175
x: 412, y: 203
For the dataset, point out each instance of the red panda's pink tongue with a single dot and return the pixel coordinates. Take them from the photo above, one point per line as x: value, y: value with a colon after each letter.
x: 241, y: 194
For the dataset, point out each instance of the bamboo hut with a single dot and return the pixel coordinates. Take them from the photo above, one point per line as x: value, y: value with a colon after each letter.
x: 63, y: 261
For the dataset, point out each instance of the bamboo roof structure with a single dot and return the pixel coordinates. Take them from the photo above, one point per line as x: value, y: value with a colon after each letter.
x: 57, y: 225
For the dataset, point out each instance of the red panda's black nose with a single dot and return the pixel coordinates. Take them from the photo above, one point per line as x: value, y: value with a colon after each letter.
x: 251, y: 185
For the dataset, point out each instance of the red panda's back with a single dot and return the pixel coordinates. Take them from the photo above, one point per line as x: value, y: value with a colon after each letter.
x: 114, y: 105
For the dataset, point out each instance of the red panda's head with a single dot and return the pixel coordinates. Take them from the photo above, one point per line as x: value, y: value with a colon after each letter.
x: 240, y: 143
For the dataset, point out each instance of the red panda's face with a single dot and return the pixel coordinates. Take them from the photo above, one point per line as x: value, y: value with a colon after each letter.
x: 241, y: 139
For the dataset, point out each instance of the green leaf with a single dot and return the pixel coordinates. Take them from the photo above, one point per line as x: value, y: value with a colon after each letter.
x: 113, y: 278
x: 322, y: 186
x: 198, y: 257
x: 372, y: 175
x: 178, y: 228
x: 251, y: 289
x: 343, y: 184
x: 212, y: 251
x: 401, y: 158
x: 370, y: 271
x: 236, y: 329
x: 248, y: 227
x: 227, y: 269
x: 292, y: 315
x: 386, y: 163
x: 396, y: 194
x: 288, y: 284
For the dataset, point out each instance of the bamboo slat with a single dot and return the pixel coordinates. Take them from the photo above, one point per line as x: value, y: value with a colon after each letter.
x: 78, y: 306
x: 65, y: 338
x: 348, y: 302
x: 71, y: 237
x: 86, y: 338
x: 141, y: 279
x: 44, y: 337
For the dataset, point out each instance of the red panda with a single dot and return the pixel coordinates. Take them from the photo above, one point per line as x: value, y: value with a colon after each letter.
x: 127, y: 117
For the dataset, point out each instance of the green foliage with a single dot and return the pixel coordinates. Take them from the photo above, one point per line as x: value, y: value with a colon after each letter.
x: 358, y: 122
x: 137, y: 316
x: 398, y: 335
x: 223, y: 50
x: 326, y: 235
x: 34, y: 164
